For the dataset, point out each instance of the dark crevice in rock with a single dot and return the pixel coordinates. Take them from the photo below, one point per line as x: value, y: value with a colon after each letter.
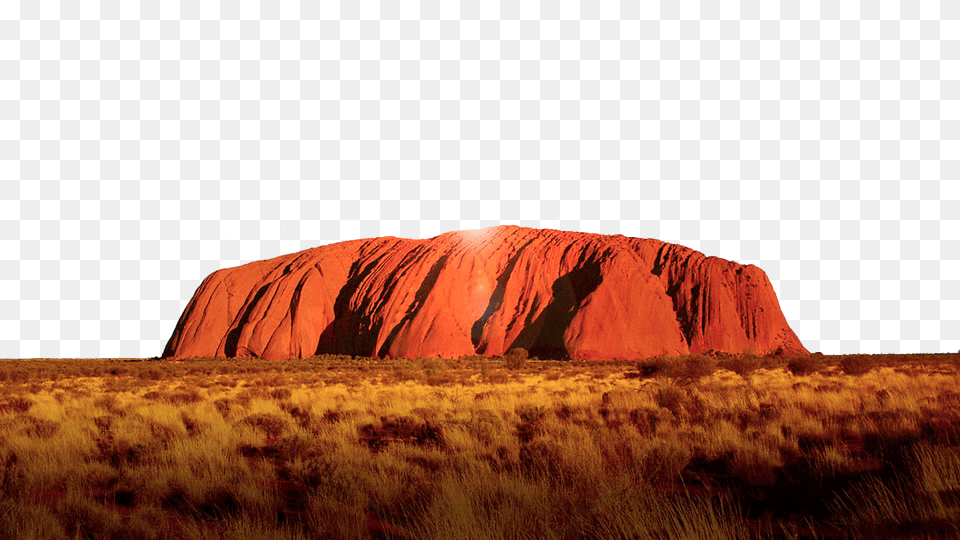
x: 419, y: 298
x: 496, y: 300
x: 233, y: 336
x: 544, y: 337
x: 349, y: 331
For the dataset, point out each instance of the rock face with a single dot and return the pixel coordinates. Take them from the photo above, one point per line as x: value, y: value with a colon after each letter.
x: 557, y: 294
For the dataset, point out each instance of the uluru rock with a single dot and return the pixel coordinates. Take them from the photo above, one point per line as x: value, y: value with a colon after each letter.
x: 557, y: 294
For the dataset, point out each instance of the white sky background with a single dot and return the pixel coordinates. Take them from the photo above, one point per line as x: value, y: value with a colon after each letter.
x: 143, y: 146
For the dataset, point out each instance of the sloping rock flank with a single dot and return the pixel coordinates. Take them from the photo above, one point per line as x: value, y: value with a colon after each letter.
x: 557, y: 294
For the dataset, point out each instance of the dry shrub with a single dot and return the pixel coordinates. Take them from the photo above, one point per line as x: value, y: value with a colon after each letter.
x: 686, y: 369
x: 295, y: 447
x: 541, y: 458
x: 192, y: 425
x: 150, y: 374
x: 216, y: 504
x: 565, y: 412
x: 803, y: 365
x: 484, y: 368
x: 109, y: 403
x: 692, y: 368
x: 752, y: 469
x: 304, y: 417
x: 515, y: 358
x: 162, y: 432
x: 81, y: 517
x: 428, y: 413
x: 645, y: 420
x: 271, y: 425
x: 327, y: 475
x: 403, y: 374
x: 245, y: 396
x: 440, y: 379
x: 280, y: 394
x: 16, y: 404
x: 401, y: 428
x: 34, y: 522
x: 532, y: 420
x: 143, y: 524
x: 650, y: 367
x: 741, y: 364
x: 498, y: 377
x: 664, y: 461
x: 484, y: 424
x: 19, y: 375
x: 857, y: 364
x: 118, y: 371
x: 223, y: 406
x: 104, y: 423
x: 120, y: 452
x: 338, y: 512
x: 941, y: 427
x: 431, y: 366
x: 671, y: 398
x: 333, y: 416
x: 40, y: 428
x: 184, y: 396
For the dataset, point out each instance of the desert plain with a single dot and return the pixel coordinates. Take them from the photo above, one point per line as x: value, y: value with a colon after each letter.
x: 706, y: 446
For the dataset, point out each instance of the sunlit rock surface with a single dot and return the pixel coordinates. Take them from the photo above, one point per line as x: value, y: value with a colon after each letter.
x: 557, y: 294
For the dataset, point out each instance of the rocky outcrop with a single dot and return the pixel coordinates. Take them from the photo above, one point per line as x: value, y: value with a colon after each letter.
x: 555, y: 293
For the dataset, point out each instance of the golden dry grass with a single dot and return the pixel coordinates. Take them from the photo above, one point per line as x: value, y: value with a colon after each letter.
x: 339, y: 447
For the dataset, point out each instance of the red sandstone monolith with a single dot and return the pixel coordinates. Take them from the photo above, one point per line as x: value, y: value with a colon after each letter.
x: 557, y: 294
